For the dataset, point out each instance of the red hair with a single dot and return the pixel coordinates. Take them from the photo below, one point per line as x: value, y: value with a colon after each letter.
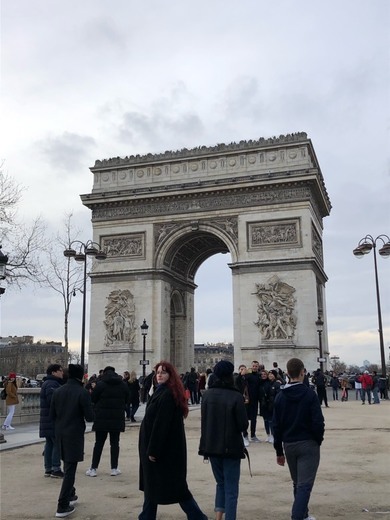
x: 175, y: 385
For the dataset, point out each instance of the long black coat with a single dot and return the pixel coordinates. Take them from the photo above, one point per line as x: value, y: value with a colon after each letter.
x: 162, y: 436
x: 70, y: 407
x: 46, y: 425
x: 110, y: 396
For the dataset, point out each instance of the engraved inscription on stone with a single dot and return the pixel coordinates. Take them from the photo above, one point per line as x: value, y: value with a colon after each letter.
x: 120, y: 319
x: 275, y: 310
x: 273, y: 233
x: 132, y: 245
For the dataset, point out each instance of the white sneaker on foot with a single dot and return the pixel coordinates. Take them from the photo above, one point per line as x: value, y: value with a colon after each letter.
x: 246, y: 442
x: 91, y: 472
x: 270, y: 439
x: 310, y: 518
x: 115, y: 472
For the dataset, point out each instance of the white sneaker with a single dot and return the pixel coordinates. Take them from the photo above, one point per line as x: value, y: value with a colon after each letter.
x: 115, y: 472
x: 246, y: 442
x: 310, y: 518
x: 10, y: 428
x: 91, y: 472
x: 270, y: 439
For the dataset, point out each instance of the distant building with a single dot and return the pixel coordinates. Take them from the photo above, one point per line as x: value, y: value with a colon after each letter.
x: 21, y: 355
x: 207, y: 355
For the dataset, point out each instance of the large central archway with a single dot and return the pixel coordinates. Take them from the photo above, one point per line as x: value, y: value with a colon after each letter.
x: 159, y: 217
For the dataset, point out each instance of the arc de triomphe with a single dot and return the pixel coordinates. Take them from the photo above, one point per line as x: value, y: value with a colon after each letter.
x: 160, y: 216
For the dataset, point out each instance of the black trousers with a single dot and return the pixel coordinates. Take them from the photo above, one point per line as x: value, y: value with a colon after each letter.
x: 67, y: 489
x: 100, y: 439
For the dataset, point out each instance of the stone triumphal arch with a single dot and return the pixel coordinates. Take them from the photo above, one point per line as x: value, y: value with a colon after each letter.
x: 160, y: 216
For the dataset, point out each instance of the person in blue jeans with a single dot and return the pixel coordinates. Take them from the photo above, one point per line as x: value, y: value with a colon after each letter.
x: 223, y: 421
x: 298, y: 433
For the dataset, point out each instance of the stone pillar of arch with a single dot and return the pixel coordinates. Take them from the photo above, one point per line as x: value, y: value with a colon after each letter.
x: 159, y: 217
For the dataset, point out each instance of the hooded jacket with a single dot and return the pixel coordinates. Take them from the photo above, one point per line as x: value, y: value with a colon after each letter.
x: 297, y: 416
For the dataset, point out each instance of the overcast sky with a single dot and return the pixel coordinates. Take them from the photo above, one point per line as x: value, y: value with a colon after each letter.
x: 95, y: 79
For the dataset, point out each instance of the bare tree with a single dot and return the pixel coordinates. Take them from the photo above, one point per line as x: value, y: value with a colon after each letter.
x: 23, y: 244
x: 74, y: 357
x: 62, y: 274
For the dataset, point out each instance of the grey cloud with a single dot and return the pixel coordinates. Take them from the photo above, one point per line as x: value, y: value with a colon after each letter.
x: 67, y: 151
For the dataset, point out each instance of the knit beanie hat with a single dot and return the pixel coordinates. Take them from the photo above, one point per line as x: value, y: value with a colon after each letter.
x: 223, y: 369
x: 12, y: 375
x: 76, y: 372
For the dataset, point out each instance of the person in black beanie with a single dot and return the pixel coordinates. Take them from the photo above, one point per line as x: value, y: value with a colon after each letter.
x: 70, y: 407
x: 223, y: 419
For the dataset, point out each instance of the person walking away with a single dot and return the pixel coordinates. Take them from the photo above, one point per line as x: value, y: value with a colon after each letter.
x: 320, y: 381
x: 192, y: 385
x: 334, y: 383
x: 11, y: 400
x: 126, y: 379
x: 375, y: 387
x: 109, y: 398
x: 358, y: 388
x: 242, y: 385
x: 253, y: 380
x: 163, y: 450
x: 134, y: 395
x: 366, y: 381
x: 223, y: 419
x: 51, y: 453
x: 382, y: 387
x: 299, y: 429
x: 344, y: 388
x: 70, y: 407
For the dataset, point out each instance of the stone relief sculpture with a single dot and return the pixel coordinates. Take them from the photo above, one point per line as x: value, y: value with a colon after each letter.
x: 273, y: 233
x: 276, y: 318
x: 125, y: 245
x: 120, y: 318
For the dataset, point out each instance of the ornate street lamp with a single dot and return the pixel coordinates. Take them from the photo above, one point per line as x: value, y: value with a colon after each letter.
x: 144, y: 332
x: 320, y: 328
x: 91, y: 249
x: 364, y: 247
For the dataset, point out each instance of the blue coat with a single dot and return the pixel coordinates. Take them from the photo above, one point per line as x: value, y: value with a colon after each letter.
x: 46, y: 425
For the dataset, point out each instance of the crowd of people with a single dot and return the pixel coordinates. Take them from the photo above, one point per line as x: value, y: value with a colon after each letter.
x: 289, y: 404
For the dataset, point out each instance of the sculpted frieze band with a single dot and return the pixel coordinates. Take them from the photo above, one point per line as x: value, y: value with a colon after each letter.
x: 201, y: 203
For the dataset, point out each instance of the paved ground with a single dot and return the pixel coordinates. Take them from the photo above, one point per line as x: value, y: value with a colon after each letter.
x: 353, y: 481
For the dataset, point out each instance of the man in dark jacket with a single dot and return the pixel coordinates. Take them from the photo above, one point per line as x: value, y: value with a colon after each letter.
x: 52, y: 461
x: 319, y: 379
x: 70, y: 407
x: 110, y: 396
x: 223, y: 420
x: 254, y: 382
x: 299, y: 428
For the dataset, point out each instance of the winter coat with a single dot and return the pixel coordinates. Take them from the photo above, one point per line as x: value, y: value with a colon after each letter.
x: 366, y: 381
x: 46, y: 425
x: 110, y: 397
x: 12, y: 393
x: 134, y: 389
x: 70, y: 407
x: 162, y: 436
x: 268, y: 391
x: 297, y: 416
x: 223, y: 419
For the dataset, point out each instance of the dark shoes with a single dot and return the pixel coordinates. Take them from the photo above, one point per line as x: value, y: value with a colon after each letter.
x: 48, y: 473
x: 57, y: 474
x: 133, y: 420
x: 62, y: 512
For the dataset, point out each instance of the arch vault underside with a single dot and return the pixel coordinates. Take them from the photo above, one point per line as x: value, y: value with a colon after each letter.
x: 159, y: 217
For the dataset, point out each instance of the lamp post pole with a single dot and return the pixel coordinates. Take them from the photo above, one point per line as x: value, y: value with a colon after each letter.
x: 144, y: 332
x: 364, y: 247
x: 3, y: 272
x: 320, y: 326
x: 86, y: 249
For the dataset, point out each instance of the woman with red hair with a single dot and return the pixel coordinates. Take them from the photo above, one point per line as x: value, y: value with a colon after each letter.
x: 163, y: 449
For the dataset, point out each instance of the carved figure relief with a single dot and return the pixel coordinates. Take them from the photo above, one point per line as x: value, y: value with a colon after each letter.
x: 273, y: 233
x: 124, y: 245
x: 316, y: 243
x: 276, y: 318
x: 120, y: 319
